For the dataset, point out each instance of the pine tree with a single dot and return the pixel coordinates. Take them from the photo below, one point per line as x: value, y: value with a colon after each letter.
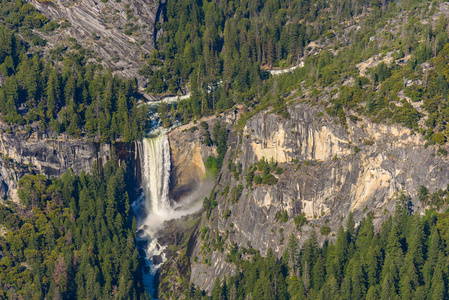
x: 372, y: 293
x: 339, y: 253
x: 293, y: 255
x: 373, y: 265
x: 350, y: 227
x: 387, y: 288
x: 416, y: 244
x: 358, y: 280
x: 53, y: 93
x: 318, y: 273
x: 216, y: 290
x: 393, y: 247
x: 365, y: 236
x: 438, y: 286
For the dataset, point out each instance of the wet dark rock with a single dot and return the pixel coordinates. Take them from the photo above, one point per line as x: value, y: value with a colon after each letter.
x: 157, y: 259
x: 3, y: 189
x: 140, y: 233
x: 142, y: 252
x: 142, y: 244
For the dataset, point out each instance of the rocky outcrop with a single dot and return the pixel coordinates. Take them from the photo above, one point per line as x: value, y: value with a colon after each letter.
x: 101, y: 26
x: 180, y: 236
x: 329, y: 170
x: 43, y: 152
x: 189, y: 154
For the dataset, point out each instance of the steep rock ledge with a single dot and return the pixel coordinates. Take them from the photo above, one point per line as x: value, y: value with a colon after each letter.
x: 43, y: 152
x: 189, y: 154
x: 328, y: 171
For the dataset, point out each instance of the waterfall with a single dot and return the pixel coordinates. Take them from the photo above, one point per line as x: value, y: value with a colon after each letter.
x: 153, y: 207
x: 155, y: 168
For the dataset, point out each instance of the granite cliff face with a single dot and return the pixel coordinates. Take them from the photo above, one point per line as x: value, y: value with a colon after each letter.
x: 101, y: 26
x: 189, y: 154
x: 43, y: 152
x: 328, y: 171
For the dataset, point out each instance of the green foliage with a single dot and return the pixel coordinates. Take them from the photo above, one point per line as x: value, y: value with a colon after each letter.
x: 381, y: 72
x: 406, y: 260
x: 32, y: 191
x: 207, y: 139
x: 325, y: 230
x: 282, y: 216
x: 269, y: 179
x: 8, y: 218
x: 221, y: 49
x: 439, y: 138
x: 435, y: 200
x: 236, y: 192
x: 226, y: 213
x: 212, y: 166
x: 74, y: 241
x: 220, y: 135
x: 77, y: 97
x: 300, y: 220
x: 260, y: 173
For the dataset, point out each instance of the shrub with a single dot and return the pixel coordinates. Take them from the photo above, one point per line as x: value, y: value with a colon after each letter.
x: 300, y: 220
x: 284, y: 218
x: 212, y: 166
x: 257, y: 179
x: 325, y: 230
x: 439, y: 138
x: 236, y: 193
x: 269, y: 179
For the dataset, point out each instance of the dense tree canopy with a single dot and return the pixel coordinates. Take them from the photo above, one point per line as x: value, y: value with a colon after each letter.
x: 74, y: 238
x: 406, y: 260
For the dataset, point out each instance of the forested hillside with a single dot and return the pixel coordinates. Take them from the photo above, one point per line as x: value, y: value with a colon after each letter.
x: 74, y: 97
x: 64, y: 91
x: 406, y: 260
x: 366, y: 89
x: 386, y: 60
x: 382, y: 59
x: 71, y: 238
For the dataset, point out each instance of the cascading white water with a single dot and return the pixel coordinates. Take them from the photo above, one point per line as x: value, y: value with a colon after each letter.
x: 154, y: 207
x: 155, y: 164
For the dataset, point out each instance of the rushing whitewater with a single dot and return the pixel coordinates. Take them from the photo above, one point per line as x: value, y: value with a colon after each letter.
x: 155, y: 164
x: 154, y: 206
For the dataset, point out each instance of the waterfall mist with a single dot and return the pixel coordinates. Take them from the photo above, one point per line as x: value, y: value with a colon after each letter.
x: 155, y: 168
x: 154, y: 206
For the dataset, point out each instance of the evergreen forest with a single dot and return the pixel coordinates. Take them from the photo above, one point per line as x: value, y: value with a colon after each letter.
x: 407, y: 259
x: 360, y: 61
x: 71, y: 238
